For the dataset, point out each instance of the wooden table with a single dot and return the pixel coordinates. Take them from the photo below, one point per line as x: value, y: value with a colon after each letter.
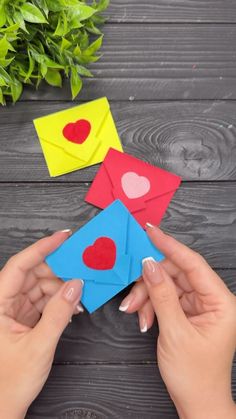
x: 169, y: 70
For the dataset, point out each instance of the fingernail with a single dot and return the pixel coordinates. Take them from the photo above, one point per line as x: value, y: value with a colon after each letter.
x: 151, y: 270
x: 149, y: 225
x: 79, y: 308
x: 149, y: 264
x: 73, y: 290
x: 67, y: 230
x: 126, y: 303
x: 143, y: 323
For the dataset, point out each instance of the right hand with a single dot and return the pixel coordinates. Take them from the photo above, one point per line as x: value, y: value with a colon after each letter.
x: 197, y: 322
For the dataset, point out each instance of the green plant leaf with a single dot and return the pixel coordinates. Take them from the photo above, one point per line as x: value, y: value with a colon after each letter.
x: 65, y: 44
x: 2, y: 82
x: 61, y: 28
x: 5, y: 46
x: 52, y: 64
x: 44, y: 59
x: 32, y: 14
x: 3, y: 17
x: 42, y: 4
x: 55, y: 5
x: 18, y: 18
x: 53, y: 77
x: 90, y: 27
x: 10, y: 29
x: 31, y: 67
x: 102, y: 5
x: 16, y: 89
x: 2, y: 100
x: 93, y: 48
x: 83, y: 71
x: 81, y: 12
x: 5, y: 62
x: 43, y: 69
x: 75, y: 82
x: 5, y: 76
x: 84, y: 39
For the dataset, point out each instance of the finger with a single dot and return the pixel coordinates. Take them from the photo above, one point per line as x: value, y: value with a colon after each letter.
x: 146, y: 316
x: 44, y: 287
x: 13, y: 274
x: 163, y: 296
x: 202, y: 278
x: 172, y: 270
x: 57, y: 314
x: 43, y: 271
x: 40, y: 305
x: 135, y: 299
x: 179, y: 278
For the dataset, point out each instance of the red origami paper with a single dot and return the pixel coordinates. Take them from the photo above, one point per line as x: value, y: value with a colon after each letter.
x: 144, y: 189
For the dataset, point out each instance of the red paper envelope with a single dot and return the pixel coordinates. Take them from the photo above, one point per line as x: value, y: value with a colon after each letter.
x: 144, y: 189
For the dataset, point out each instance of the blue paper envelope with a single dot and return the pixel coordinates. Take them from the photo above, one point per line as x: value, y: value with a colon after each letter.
x: 106, y: 253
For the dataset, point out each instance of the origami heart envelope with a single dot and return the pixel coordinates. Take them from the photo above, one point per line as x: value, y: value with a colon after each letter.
x: 144, y: 189
x: 106, y: 253
x: 77, y: 137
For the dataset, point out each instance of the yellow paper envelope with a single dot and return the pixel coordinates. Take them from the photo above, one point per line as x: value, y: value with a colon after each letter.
x: 65, y: 153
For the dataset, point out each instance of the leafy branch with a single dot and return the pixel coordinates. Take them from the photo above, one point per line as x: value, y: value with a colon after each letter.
x: 46, y: 39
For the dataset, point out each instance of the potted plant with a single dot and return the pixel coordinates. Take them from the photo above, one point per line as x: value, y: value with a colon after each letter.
x: 46, y: 40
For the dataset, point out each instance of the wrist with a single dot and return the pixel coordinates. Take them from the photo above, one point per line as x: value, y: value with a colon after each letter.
x: 215, y: 411
x: 10, y: 412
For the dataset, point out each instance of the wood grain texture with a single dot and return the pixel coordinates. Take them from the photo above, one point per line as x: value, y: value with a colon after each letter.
x: 111, y: 337
x: 105, y: 392
x: 159, y: 62
x: 154, y: 66
x: 202, y: 215
x: 172, y: 11
x: 196, y: 140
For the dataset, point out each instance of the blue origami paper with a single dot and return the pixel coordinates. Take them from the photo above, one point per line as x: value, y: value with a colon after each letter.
x: 132, y: 245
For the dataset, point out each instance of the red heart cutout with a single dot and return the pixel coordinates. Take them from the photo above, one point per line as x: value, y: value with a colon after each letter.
x: 101, y: 255
x: 77, y: 132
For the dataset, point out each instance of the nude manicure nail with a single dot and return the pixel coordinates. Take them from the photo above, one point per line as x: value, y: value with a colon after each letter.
x: 126, y: 303
x: 151, y: 271
x: 143, y: 323
x: 149, y: 264
x: 73, y: 290
x: 67, y: 230
x: 149, y: 225
x: 79, y: 308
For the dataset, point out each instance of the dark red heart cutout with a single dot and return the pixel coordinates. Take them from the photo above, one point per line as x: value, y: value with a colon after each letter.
x: 77, y: 132
x: 101, y: 255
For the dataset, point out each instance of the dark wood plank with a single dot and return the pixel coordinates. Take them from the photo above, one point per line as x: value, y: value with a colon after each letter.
x: 195, y: 140
x: 111, y: 337
x: 155, y: 61
x: 105, y: 392
x: 172, y: 11
x: 201, y: 215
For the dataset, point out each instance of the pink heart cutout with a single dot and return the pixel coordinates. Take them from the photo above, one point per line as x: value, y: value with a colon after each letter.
x: 135, y: 186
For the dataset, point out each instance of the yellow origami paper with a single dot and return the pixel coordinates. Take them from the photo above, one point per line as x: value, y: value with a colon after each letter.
x: 78, y: 137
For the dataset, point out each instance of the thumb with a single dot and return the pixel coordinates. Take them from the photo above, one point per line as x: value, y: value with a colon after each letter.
x: 163, y: 295
x: 58, y: 312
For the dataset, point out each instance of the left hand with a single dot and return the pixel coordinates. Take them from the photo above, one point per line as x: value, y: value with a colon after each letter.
x: 35, y: 308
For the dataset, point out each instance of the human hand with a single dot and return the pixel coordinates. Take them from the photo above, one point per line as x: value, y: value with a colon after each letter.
x: 35, y: 307
x: 197, y: 322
